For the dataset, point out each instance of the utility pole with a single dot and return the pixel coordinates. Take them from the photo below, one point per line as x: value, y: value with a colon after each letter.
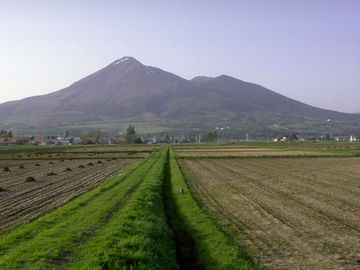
x: 289, y: 137
x: 329, y: 128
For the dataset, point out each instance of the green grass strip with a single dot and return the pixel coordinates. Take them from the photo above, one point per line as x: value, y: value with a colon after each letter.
x: 139, y: 236
x: 214, y: 249
x: 47, y: 242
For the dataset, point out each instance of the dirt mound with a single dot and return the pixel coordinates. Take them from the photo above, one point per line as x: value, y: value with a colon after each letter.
x: 30, y: 179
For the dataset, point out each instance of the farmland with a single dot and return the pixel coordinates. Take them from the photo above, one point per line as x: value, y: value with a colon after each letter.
x: 292, y: 212
x: 37, y: 182
x: 54, y: 183
x: 239, y: 206
x: 137, y: 219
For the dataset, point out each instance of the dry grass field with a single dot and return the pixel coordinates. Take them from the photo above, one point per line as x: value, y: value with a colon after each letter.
x: 288, y: 213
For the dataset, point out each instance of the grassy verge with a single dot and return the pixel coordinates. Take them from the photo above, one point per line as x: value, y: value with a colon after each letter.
x: 139, y: 236
x: 201, y: 235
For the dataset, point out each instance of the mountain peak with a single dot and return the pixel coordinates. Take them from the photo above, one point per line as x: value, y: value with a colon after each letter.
x: 124, y: 60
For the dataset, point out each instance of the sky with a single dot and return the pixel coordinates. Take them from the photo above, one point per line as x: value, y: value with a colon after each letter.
x: 308, y: 50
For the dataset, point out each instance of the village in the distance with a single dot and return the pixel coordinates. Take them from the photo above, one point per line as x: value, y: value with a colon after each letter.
x: 130, y: 137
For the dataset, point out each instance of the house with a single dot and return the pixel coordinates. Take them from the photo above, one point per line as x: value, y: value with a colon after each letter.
x: 340, y: 138
x: 280, y: 139
x: 38, y: 140
x: 62, y: 140
x: 354, y: 138
x: 151, y: 140
x: 89, y: 140
x: 12, y: 141
x: 75, y: 140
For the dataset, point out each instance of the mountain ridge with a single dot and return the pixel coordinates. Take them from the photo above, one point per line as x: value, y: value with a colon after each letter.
x: 128, y: 91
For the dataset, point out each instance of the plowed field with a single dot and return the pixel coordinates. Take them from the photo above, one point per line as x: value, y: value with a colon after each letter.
x: 289, y: 213
x: 54, y: 183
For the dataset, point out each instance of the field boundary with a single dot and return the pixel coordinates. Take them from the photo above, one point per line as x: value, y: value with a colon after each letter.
x: 214, y: 248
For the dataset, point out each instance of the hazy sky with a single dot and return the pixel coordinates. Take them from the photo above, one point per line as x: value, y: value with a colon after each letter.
x: 307, y: 50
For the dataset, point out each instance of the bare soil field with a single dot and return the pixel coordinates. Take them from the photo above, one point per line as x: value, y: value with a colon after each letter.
x: 288, y: 213
x: 30, y: 188
x: 77, y: 155
x: 82, y: 153
x: 188, y: 153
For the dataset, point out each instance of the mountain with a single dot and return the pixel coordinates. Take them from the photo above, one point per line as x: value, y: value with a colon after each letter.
x: 127, y: 91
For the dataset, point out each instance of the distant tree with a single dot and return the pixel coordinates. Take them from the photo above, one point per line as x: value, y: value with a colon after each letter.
x: 138, y: 140
x: 167, y: 138
x: 292, y: 136
x: 98, y: 135
x: 6, y: 134
x: 130, y: 134
x: 67, y: 134
x: 210, y: 137
x: 3, y: 133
